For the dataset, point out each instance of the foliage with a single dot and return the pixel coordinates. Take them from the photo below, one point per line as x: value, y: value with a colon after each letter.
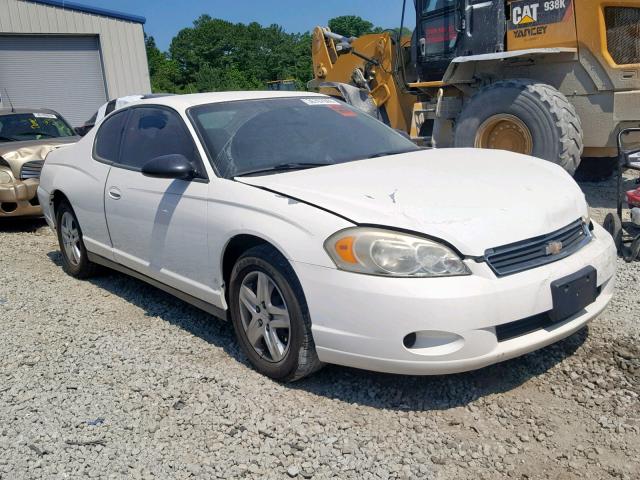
x: 215, y: 55
x: 352, y: 26
x: 163, y: 71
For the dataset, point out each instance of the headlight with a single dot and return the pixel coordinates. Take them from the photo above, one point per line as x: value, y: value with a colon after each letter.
x: 5, y: 177
x: 376, y: 251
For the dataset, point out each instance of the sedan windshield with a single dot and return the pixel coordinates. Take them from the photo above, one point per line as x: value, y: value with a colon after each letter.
x: 17, y: 127
x: 257, y: 137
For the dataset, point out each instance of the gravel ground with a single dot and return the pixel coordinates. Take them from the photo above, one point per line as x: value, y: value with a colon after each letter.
x: 114, y: 379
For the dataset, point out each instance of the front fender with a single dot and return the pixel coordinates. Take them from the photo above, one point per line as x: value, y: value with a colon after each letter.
x: 465, y: 69
x: 298, y: 230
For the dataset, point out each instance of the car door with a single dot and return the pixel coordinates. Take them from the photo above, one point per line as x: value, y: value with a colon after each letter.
x: 157, y: 225
x: 438, y: 33
x: 87, y: 177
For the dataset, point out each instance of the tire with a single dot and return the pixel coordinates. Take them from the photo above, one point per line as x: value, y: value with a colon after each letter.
x: 554, y: 126
x: 75, y: 264
x: 300, y: 358
x: 613, y: 225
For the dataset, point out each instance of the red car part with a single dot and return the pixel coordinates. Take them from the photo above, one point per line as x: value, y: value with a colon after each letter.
x: 633, y: 198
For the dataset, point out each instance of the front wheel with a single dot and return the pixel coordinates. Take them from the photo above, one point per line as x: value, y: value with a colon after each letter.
x: 526, y: 117
x: 270, y: 316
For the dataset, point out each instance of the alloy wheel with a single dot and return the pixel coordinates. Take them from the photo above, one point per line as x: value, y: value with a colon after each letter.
x: 70, y: 238
x: 265, y: 316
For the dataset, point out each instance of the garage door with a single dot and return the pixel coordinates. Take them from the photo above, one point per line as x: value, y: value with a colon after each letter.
x: 61, y: 73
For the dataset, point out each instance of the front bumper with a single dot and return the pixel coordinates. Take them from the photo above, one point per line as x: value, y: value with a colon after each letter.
x: 361, y: 321
x: 19, y: 199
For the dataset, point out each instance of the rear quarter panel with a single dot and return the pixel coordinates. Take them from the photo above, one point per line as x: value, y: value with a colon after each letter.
x: 73, y: 172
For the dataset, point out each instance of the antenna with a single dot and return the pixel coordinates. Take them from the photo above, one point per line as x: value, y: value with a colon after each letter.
x: 13, y: 110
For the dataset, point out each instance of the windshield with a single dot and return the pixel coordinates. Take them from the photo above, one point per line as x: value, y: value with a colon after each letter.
x: 258, y: 136
x: 17, y: 127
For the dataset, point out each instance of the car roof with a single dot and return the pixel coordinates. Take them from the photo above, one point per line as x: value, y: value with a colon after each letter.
x: 17, y: 111
x: 183, y: 102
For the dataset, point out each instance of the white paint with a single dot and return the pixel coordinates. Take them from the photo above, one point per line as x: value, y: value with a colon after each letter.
x: 474, y: 199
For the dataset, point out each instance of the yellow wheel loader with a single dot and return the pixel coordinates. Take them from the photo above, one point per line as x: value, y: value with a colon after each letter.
x: 556, y: 79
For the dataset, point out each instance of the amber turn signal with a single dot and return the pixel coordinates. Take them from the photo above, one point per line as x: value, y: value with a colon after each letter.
x: 344, y: 249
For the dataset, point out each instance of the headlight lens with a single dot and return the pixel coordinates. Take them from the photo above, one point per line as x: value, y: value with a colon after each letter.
x: 5, y: 177
x: 376, y: 251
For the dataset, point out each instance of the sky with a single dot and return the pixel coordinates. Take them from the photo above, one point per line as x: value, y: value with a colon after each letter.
x: 165, y: 18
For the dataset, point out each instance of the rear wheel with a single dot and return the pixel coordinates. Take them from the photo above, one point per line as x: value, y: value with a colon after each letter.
x: 270, y: 316
x: 526, y: 117
x: 75, y: 260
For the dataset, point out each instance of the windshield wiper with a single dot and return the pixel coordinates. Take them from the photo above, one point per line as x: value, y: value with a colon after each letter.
x: 284, y: 167
x: 8, y: 139
x: 392, y: 152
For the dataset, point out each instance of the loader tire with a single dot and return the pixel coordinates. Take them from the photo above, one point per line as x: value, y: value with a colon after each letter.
x: 524, y: 116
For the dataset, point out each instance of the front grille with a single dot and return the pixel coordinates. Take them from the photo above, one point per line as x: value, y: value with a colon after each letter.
x: 535, y: 252
x: 31, y: 169
x: 512, y: 330
x: 623, y: 34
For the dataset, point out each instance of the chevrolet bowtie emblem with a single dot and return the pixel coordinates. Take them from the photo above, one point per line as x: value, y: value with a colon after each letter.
x: 554, y: 248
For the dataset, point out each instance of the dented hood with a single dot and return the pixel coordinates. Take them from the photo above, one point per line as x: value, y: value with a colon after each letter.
x: 473, y: 199
x: 17, y: 154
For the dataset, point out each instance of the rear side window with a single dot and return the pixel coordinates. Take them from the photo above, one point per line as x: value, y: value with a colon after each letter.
x: 109, y: 136
x: 153, y: 132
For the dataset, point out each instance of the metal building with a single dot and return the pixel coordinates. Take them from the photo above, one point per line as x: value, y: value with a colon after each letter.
x: 69, y: 57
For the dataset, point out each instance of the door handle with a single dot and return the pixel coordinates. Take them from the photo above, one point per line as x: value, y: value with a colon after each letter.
x: 423, y: 47
x: 115, y: 193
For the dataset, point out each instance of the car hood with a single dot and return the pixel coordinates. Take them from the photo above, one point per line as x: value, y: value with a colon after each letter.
x: 473, y: 199
x: 17, y: 154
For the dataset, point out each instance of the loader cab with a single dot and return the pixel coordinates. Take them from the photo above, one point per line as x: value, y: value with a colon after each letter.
x: 453, y: 28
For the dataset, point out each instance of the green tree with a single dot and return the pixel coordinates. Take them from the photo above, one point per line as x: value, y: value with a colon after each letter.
x: 352, y: 26
x: 164, y: 73
x: 215, y: 54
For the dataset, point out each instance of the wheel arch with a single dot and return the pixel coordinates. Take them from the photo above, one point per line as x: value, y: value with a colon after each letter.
x: 57, y: 197
x: 236, y: 247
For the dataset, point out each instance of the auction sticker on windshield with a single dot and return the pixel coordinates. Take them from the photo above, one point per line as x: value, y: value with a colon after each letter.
x: 320, y: 101
x: 45, y: 115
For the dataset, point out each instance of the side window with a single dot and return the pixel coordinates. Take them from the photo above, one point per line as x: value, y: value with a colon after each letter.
x: 435, y: 5
x: 153, y: 132
x: 108, y: 138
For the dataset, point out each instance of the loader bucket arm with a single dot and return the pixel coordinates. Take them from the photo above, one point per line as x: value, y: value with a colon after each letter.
x: 336, y: 58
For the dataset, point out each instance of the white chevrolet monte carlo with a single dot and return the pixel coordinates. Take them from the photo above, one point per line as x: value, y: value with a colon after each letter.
x: 327, y: 237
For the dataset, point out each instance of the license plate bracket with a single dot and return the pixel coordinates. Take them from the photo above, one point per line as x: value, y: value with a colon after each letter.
x: 573, y: 293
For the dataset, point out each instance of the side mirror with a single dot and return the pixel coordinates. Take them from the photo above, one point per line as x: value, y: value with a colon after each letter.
x: 83, y: 130
x: 174, y: 166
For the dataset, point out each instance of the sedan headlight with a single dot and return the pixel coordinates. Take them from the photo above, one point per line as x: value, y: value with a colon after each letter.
x: 5, y: 177
x: 375, y: 251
